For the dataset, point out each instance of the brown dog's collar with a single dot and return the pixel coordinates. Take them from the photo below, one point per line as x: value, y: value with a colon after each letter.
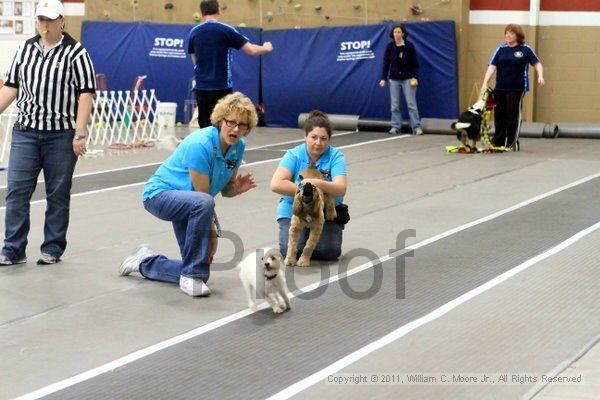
x: 270, y: 277
x: 308, y: 219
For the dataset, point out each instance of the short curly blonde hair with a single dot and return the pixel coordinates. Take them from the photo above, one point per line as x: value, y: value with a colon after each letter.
x: 235, y: 106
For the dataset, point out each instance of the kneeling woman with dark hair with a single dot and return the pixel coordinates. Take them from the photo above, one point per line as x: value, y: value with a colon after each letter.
x: 330, y: 161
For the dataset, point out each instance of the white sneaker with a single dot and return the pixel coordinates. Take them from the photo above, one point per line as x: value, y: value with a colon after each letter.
x: 193, y: 286
x: 132, y: 263
x: 47, y: 259
x: 394, y: 131
x: 6, y: 261
x: 418, y: 131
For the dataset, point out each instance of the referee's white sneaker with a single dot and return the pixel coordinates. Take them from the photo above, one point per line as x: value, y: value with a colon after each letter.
x: 193, y: 286
x: 132, y: 263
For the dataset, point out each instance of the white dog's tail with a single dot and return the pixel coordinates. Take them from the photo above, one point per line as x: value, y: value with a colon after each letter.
x: 460, y: 125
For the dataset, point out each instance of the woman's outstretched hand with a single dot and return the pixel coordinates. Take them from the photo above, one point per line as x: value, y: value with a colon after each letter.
x: 244, y: 183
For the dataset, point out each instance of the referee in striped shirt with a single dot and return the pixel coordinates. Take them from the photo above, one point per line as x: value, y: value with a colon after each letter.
x: 52, y: 78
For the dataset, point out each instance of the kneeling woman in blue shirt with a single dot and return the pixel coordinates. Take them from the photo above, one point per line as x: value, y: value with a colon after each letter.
x: 327, y: 159
x: 182, y: 191
x: 511, y: 62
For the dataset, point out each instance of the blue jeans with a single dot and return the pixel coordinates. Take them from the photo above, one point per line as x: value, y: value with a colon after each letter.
x: 191, y: 214
x: 328, y: 248
x: 410, y: 95
x: 32, y: 151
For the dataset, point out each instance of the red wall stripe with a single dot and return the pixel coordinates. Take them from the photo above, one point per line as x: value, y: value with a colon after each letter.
x: 545, y: 5
x: 570, y: 5
x: 503, y: 5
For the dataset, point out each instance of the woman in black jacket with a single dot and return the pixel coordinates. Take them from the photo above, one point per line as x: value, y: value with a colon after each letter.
x: 401, y: 67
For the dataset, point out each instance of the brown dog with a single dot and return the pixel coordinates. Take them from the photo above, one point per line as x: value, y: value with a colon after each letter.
x: 307, y: 212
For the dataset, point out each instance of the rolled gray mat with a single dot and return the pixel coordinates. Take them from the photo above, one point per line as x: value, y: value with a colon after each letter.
x: 339, y: 121
x: 578, y: 130
x: 551, y: 131
x: 442, y: 126
x: 374, y: 125
x: 437, y: 126
x: 528, y: 129
x: 380, y: 125
x: 532, y: 129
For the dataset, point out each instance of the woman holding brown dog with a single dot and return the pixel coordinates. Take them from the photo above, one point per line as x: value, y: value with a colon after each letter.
x: 317, y: 150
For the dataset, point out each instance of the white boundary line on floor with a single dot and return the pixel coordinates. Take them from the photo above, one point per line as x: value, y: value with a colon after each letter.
x: 108, y: 189
x: 296, y: 388
x: 435, y: 314
x: 564, y: 367
x: 105, y: 171
x: 159, y: 163
x: 296, y: 141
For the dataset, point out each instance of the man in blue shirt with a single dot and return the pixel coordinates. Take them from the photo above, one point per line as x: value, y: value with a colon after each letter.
x: 210, y: 45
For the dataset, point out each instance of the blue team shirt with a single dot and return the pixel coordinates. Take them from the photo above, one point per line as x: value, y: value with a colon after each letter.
x: 512, y: 67
x: 211, y: 42
x: 201, y: 151
x: 331, y: 164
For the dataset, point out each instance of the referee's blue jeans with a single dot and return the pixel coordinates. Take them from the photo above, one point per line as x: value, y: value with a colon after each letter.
x: 32, y: 151
x: 191, y: 214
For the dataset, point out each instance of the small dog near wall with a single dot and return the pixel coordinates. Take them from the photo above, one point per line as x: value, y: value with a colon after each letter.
x: 307, y: 212
x: 262, y: 273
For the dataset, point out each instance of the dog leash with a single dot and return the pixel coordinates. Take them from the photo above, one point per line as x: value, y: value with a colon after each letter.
x: 485, y: 126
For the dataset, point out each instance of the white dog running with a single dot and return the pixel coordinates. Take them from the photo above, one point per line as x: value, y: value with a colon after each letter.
x: 262, y: 274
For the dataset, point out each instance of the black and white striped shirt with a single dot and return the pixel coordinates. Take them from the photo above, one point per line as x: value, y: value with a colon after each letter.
x: 49, y: 85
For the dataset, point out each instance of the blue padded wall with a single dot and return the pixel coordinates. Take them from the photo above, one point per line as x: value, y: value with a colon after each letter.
x: 338, y: 70
x: 123, y: 51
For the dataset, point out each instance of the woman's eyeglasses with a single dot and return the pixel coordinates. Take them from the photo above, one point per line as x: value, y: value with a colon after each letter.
x: 241, y: 126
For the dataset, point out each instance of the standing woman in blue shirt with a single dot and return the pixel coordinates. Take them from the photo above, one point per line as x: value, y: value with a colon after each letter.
x: 510, y: 62
x: 330, y: 161
x: 401, y: 67
x: 182, y: 191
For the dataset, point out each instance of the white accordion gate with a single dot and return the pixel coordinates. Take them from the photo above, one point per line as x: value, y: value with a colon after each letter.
x: 124, y: 118
x: 7, y: 120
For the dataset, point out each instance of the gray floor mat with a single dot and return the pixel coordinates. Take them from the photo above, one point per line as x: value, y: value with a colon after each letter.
x: 262, y: 354
x: 141, y: 174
